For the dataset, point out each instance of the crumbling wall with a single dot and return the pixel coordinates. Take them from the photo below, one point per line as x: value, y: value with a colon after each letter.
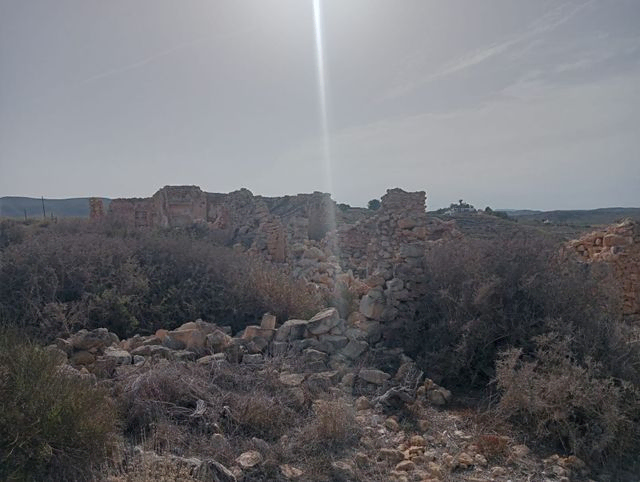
x: 179, y: 206
x: 377, y: 261
x: 133, y: 212
x: 96, y: 208
x: 618, y: 246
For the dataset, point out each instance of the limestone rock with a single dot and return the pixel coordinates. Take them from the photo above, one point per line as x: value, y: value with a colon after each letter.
x: 217, y: 341
x: 392, y: 456
x: 97, y: 339
x: 185, y: 338
x: 268, y: 321
x: 83, y: 357
x: 362, y: 403
x: 249, y: 459
x: 291, y: 330
x: 354, y: 349
x: 323, y: 322
x: 342, y: 471
x: 118, y: 356
x: 292, y: 379
x: 372, y: 304
x: 213, y: 471
x: 332, y: 343
x: 291, y: 473
x: 252, y: 359
x: 377, y: 377
x: 406, y: 466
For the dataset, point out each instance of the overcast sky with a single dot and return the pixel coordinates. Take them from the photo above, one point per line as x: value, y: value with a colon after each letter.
x: 507, y: 103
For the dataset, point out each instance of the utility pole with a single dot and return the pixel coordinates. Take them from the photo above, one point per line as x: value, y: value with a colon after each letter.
x: 44, y: 213
x: 25, y: 214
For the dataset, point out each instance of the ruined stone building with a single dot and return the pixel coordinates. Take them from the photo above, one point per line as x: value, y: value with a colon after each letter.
x: 618, y: 246
x: 377, y: 257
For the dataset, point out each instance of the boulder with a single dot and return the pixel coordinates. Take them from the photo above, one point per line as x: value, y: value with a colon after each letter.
x: 323, y: 322
x: 83, y: 357
x: 292, y: 379
x: 291, y: 330
x: 268, y: 321
x: 255, y: 359
x: 250, y: 459
x: 372, y: 304
x: 118, y: 356
x: 217, y: 341
x: 253, y: 331
x: 332, y: 343
x: 439, y: 396
x: 377, y: 377
x: 95, y: 340
x: 342, y: 471
x: 354, y: 349
x: 187, y: 338
x: 291, y: 473
x: 392, y: 456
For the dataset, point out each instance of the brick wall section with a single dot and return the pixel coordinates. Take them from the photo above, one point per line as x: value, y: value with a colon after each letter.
x: 618, y: 246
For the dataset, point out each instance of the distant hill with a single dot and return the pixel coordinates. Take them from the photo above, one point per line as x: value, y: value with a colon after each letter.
x: 580, y: 217
x: 15, y: 207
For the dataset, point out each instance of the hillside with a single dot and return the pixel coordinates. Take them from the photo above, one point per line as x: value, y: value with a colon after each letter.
x: 582, y: 217
x: 15, y: 207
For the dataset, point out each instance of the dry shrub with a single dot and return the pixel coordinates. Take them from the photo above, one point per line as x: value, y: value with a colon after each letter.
x: 261, y: 415
x: 333, y: 426
x: 482, y: 297
x: 573, y: 405
x: 85, y: 275
x: 53, y: 426
x: 163, y: 395
x: 159, y: 404
x: 492, y: 446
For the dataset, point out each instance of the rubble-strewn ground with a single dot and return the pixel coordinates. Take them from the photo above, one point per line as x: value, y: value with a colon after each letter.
x: 302, y: 414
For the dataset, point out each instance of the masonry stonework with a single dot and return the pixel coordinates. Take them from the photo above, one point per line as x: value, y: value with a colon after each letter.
x: 619, y: 247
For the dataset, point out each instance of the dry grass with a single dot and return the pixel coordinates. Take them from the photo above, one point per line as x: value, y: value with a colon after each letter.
x: 576, y: 407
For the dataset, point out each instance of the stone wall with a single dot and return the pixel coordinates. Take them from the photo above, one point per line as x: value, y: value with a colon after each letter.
x: 618, y: 246
x: 374, y: 258
x: 96, y: 208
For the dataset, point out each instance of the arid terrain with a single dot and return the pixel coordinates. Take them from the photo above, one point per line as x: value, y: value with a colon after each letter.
x: 235, y: 337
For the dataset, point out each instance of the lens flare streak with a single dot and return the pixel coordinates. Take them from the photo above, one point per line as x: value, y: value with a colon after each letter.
x: 322, y: 99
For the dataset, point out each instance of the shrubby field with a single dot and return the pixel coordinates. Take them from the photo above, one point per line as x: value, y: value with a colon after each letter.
x: 531, y: 345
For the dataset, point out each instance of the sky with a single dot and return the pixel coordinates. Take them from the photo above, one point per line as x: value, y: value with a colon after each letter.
x: 506, y: 103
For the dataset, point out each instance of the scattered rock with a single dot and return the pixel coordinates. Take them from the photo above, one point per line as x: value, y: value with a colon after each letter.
x: 377, y: 377
x: 323, y: 322
x: 291, y: 473
x: 362, y: 403
x: 342, y: 471
x: 392, y: 456
x: 249, y: 459
x: 213, y: 471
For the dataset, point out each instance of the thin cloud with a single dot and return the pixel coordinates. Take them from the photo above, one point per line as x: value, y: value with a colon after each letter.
x: 158, y: 55
x: 548, y: 22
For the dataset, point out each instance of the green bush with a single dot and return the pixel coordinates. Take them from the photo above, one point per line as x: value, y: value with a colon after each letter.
x: 52, y: 426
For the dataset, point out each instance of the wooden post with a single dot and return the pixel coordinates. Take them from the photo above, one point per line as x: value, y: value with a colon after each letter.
x: 44, y: 213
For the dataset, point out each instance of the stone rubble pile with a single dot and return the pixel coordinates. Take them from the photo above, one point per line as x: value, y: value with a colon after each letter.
x: 324, y: 356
